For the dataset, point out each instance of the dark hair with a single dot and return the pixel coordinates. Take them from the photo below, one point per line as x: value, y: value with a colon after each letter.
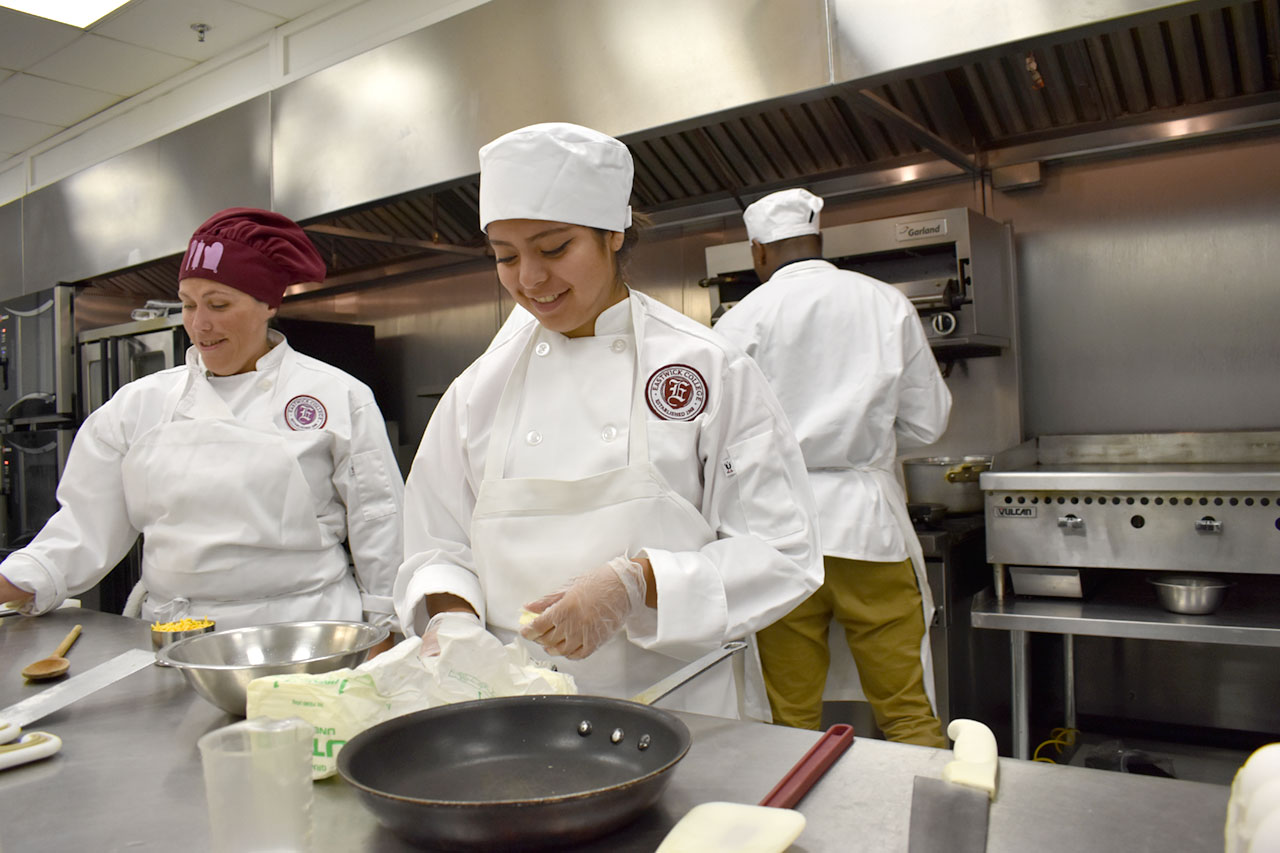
x: 640, y: 222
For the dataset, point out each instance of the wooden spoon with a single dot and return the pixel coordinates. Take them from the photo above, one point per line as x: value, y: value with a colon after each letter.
x: 55, y: 664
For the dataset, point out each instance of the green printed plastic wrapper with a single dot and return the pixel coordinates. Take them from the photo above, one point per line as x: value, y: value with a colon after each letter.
x: 339, y: 704
x: 472, y: 664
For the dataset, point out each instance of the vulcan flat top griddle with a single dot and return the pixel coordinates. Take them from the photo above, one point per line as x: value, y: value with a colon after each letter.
x: 1202, y: 502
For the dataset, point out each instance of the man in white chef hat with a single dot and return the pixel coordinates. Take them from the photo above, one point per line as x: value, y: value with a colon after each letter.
x: 847, y: 356
x: 610, y: 480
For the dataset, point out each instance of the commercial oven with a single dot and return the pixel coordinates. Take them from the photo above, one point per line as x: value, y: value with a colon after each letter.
x: 37, y: 408
x: 113, y: 356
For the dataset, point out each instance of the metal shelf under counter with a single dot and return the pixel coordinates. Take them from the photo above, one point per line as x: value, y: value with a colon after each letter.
x: 1251, y: 623
x: 1123, y: 607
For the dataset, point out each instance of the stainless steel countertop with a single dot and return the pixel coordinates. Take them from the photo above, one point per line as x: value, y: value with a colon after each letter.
x: 128, y: 777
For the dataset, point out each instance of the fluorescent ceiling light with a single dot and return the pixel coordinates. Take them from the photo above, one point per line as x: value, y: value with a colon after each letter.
x: 77, y: 13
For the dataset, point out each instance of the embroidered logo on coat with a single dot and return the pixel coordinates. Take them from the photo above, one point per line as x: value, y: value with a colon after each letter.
x: 676, y: 392
x: 304, y: 412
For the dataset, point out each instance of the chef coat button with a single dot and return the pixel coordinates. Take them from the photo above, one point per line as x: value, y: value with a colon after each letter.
x: 609, y: 433
x: 618, y: 345
x: 542, y: 348
x: 534, y: 438
x: 264, y: 385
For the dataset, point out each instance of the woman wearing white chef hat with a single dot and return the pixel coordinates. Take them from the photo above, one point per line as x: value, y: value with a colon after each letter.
x: 614, y: 467
x: 250, y: 471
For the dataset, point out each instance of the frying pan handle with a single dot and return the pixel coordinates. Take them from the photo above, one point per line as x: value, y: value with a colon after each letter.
x: 809, y: 769
x: 687, y: 672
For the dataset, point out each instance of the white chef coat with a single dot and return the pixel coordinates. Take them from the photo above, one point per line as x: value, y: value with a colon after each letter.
x: 734, y: 461
x: 872, y: 387
x: 244, y: 490
x: 875, y: 389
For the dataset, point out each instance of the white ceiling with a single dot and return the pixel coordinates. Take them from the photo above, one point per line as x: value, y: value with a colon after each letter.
x: 53, y: 76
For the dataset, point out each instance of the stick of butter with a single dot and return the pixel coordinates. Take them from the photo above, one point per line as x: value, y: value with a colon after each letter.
x: 527, y: 616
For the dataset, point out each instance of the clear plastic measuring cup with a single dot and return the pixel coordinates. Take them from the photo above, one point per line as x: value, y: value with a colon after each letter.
x: 257, y: 775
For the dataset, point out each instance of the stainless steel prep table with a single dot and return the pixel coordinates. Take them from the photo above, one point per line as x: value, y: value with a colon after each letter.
x: 1126, y: 610
x: 129, y: 777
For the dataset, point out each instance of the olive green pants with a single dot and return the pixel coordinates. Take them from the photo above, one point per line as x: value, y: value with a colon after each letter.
x: 879, y: 606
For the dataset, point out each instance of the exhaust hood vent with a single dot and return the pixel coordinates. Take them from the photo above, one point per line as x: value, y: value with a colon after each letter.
x: 1206, y: 70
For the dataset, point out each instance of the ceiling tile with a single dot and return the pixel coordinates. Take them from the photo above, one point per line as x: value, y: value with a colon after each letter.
x: 19, y: 134
x: 26, y: 39
x: 101, y: 63
x: 287, y: 9
x: 49, y: 101
x: 165, y: 26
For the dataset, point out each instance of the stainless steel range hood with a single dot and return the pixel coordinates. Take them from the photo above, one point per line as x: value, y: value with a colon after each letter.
x: 427, y: 102
x: 720, y: 101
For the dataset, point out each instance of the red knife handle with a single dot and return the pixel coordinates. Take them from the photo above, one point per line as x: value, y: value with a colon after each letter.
x: 809, y: 769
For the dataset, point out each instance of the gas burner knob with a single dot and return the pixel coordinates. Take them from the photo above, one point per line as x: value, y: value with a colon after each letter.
x: 1071, y: 521
x: 1208, y: 524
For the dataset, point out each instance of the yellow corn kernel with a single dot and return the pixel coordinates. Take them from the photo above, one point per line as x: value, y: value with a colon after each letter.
x: 187, y: 624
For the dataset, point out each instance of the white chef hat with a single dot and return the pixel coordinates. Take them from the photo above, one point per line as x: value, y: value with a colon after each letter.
x: 786, y: 213
x: 557, y: 172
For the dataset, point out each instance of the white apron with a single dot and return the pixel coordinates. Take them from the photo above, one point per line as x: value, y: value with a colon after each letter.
x: 229, y: 522
x: 529, y: 536
x: 842, y: 677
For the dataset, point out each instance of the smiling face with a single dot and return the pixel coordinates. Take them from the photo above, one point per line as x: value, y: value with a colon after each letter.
x: 227, y: 326
x: 564, y: 275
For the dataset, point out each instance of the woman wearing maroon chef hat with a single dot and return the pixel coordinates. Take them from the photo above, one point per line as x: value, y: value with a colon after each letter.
x: 245, y: 469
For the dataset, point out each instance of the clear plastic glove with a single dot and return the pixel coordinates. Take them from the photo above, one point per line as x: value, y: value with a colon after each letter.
x: 430, y: 644
x: 583, y: 616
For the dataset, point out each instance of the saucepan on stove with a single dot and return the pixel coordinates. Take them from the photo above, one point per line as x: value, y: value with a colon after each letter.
x: 520, y: 772
x: 948, y: 480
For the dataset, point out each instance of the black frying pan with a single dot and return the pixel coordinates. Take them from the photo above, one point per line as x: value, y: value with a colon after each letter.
x: 523, y: 772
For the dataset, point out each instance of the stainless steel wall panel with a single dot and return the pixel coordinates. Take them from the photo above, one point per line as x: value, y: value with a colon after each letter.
x: 11, y: 249
x: 143, y: 205
x: 413, y: 112
x: 1142, y: 317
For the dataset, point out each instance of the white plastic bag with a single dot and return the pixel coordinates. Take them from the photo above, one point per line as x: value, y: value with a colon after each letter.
x: 472, y: 664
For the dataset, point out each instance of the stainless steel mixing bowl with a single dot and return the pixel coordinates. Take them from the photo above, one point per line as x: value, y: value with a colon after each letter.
x: 1192, y: 594
x: 220, y: 665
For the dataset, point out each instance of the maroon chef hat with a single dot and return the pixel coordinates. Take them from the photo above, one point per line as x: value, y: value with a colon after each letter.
x: 256, y: 251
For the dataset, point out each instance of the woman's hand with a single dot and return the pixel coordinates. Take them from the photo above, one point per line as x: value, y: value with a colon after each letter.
x: 9, y: 592
x: 382, y: 647
x: 582, y: 617
x: 430, y: 641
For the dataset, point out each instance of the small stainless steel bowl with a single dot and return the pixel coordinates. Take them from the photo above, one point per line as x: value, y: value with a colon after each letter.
x: 1190, y: 594
x: 221, y: 664
x: 161, y: 639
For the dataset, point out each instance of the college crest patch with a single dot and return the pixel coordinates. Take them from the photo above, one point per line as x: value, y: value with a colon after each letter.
x: 305, y: 412
x: 676, y: 392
